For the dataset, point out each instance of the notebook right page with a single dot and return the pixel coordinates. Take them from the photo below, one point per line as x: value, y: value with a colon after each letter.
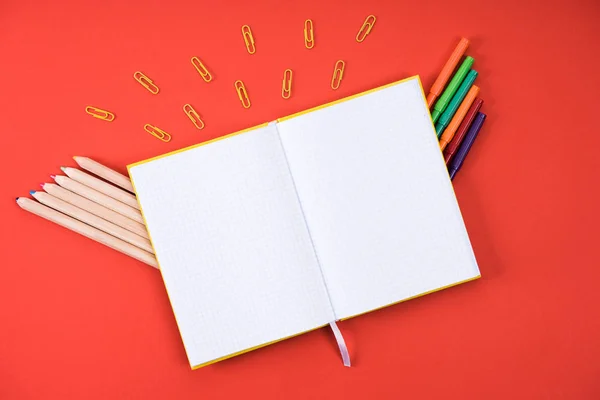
x: 377, y: 198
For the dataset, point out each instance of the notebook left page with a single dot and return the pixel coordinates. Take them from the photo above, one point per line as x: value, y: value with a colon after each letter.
x: 232, y: 245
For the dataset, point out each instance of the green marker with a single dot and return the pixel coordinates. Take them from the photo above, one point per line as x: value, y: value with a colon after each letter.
x: 458, y: 97
x: 457, y: 79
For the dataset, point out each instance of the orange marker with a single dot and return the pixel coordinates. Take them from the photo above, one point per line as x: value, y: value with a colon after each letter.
x: 458, y: 117
x: 442, y: 79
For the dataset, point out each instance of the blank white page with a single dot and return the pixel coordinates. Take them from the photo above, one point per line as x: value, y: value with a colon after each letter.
x: 232, y: 245
x: 377, y: 199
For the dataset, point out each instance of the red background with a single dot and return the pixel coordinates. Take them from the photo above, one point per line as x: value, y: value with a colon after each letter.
x: 79, y: 320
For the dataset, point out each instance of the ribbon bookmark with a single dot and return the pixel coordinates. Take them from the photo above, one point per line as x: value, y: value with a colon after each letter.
x: 341, y: 343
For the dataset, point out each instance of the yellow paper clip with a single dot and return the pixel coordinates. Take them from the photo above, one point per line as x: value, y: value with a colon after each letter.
x: 145, y: 82
x: 338, y: 72
x: 193, y: 116
x: 201, y: 69
x: 242, y: 93
x: 100, y: 114
x: 286, y: 86
x: 248, y: 39
x: 365, y: 29
x: 309, y: 34
x: 157, y: 133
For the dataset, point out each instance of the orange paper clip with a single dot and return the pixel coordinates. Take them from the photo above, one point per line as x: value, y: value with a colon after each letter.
x: 145, y: 82
x: 248, y: 39
x: 201, y: 69
x: 193, y: 116
x: 365, y: 29
x: 242, y: 93
x: 157, y: 133
x: 309, y: 34
x: 286, y: 86
x: 338, y: 72
x: 100, y: 114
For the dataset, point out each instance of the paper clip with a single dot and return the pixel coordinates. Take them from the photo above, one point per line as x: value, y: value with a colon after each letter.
x: 100, y: 114
x: 201, y: 69
x: 145, y: 82
x: 309, y: 34
x: 248, y: 39
x: 286, y: 86
x: 338, y: 72
x: 193, y: 116
x: 157, y: 133
x: 242, y: 93
x: 365, y: 29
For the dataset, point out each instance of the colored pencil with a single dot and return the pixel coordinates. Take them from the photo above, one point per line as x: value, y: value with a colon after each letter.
x: 101, y: 186
x: 96, y: 209
x: 92, y: 220
x: 86, y: 230
x: 99, y: 198
x: 104, y: 172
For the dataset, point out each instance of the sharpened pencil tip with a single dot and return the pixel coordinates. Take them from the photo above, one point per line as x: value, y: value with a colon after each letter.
x: 62, y: 169
x: 32, y: 192
x: 75, y: 158
x: 17, y: 199
x: 42, y: 185
x: 53, y: 177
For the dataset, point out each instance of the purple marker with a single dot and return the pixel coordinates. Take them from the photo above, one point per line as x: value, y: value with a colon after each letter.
x: 465, y: 146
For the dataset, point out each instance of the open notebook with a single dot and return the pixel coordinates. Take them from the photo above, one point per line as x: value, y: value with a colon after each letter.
x: 323, y: 215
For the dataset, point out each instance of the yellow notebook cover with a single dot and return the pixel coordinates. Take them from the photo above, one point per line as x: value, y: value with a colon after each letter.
x: 319, y: 216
